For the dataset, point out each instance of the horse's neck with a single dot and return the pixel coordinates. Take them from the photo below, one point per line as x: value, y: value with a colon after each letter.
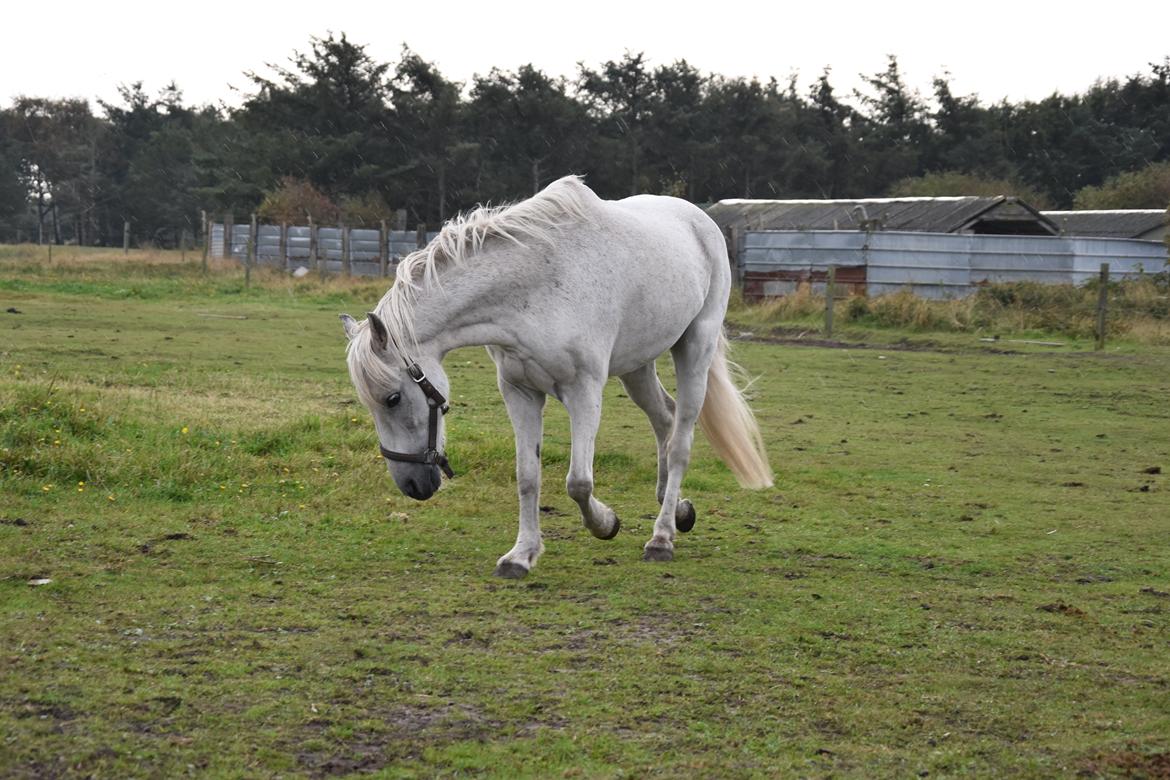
x: 474, y: 305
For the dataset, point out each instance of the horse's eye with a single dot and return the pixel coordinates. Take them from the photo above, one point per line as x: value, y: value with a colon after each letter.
x: 393, y: 399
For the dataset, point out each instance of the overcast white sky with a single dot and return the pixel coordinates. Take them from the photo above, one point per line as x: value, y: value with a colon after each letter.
x: 1019, y: 50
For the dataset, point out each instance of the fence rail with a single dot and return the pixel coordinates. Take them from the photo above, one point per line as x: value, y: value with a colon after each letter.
x: 317, y: 248
x: 931, y: 265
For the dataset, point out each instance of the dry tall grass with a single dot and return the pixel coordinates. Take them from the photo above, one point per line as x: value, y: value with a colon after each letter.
x: 1137, y: 309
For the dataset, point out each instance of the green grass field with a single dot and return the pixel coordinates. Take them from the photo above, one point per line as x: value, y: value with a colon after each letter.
x: 963, y: 569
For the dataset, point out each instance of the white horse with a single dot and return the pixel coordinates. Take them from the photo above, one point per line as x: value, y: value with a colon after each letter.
x: 565, y: 290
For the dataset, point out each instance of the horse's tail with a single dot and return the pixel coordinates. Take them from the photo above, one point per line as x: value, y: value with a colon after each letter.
x: 730, y: 426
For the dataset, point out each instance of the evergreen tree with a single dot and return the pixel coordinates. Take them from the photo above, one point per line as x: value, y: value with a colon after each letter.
x: 530, y: 131
x: 13, y: 191
x: 834, y: 132
x: 428, y: 118
x: 618, y: 98
x: 55, y: 144
x: 325, y: 119
x: 371, y: 137
x: 893, y: 128
x: 679, y: 131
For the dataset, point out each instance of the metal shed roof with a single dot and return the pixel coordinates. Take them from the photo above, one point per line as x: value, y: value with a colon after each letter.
x: 1128, y: 223
x: 924, y: 215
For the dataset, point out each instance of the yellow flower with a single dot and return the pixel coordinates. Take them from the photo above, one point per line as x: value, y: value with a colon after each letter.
x: 184, y: 431
x: 110, y: 498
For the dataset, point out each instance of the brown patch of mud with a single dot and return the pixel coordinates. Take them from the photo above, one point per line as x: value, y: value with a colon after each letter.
x: 1128, y: 763
x: 409, y: 729
x: 804, y: 338
x: 1059, y: 607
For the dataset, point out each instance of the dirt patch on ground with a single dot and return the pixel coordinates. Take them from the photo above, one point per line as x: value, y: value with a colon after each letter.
x: 650, y: 629
x: 409, y: 729
x: 1128, y: 763
x: 1060, y: 608
x: 805, y: 338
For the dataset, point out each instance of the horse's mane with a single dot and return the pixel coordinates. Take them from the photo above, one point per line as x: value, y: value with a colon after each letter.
x: 523, y: 223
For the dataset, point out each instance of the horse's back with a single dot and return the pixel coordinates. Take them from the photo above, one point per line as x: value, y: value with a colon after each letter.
x: 674, y: 249
x: 661, y: 261
x: 686, y: 227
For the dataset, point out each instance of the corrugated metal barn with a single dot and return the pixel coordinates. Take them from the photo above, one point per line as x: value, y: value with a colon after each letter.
x: 1146, y: 224
x: 773, y: 263
x: 935, y: 247
x: 999, y: 215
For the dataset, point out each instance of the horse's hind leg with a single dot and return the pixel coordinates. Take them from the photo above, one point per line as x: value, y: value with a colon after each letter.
x: 583, y: 403
x: 645, y: 389
x: 692, y: 357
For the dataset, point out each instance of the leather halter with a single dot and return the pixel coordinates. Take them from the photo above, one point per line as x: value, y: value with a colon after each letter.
x: 438, y: 405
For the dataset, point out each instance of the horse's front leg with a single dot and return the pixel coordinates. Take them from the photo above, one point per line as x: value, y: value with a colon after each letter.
x: 526, y: 410
x: 584, y: 407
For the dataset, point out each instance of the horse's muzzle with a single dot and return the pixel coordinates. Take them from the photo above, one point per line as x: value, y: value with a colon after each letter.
x: 421, y: 483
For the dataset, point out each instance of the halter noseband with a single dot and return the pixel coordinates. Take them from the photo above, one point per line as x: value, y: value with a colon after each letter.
x: 438, y: 405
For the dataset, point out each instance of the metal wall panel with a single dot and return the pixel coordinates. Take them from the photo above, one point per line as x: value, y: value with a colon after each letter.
x: 215, y: 249
x: 329, y: 246
x: 363, y: 246
x: 942, y: 265
x: 298, y: 245
x: 268, y: 244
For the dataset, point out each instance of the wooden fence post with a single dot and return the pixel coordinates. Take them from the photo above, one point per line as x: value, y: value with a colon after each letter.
x: 420, y: 236
x: 830, y: 283
x: 312, y: 244
x: 383, y: 248
x: 1102, y: 300
x: 205, y: 227
x: 250, y: 255
x: 254, y: 234
x: 283, y: 246
x: 126, y: 237
x: 346, y: 263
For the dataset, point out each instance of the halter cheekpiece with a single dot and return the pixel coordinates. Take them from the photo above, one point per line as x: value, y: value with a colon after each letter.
x: 438, y: 405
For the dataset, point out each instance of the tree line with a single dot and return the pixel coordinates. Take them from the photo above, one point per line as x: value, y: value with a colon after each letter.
x: 338, y: 135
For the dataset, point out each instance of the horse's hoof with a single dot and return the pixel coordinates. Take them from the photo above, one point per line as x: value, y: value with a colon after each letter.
x: 661, y: 554
x: 617, y: 526
x: 510, y: 571
x: 684, y: 516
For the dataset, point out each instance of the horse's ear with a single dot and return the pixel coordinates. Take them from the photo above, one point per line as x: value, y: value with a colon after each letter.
x: 378, y: 330
x: 350, y: 325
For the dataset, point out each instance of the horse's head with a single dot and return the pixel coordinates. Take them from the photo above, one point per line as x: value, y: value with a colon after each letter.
x: 407, y: 400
